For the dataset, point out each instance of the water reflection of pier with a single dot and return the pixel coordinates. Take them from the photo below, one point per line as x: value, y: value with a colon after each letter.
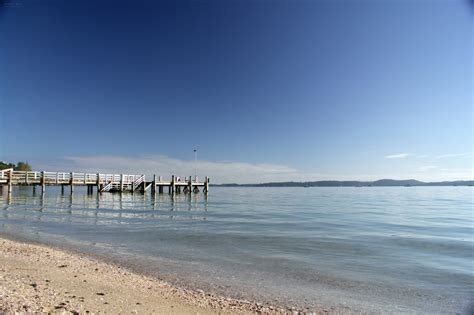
x: 101, y: 208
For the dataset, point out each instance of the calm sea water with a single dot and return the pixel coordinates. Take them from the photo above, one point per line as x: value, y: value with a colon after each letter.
x: 370, y: 250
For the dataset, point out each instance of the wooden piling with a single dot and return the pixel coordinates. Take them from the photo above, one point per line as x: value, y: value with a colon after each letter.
x: 173, y: 184
x: 9, y: 181
x: 153, y: 185
x: 43, y: 183
x: 71, y: 182
x: 206, y: 185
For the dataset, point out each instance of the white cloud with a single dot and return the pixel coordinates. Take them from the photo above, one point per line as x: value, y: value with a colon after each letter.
x: 234, y: 172
x: 453, y: 155
x: 456, y: 173
x: 427, y: 168
x: 219, y: 172
x: 398, y: 156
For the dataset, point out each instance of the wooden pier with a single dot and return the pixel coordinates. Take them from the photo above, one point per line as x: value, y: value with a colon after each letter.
x: 102, y: 182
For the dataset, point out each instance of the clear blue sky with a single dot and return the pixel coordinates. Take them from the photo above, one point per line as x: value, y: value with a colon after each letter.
x: 293, y: 89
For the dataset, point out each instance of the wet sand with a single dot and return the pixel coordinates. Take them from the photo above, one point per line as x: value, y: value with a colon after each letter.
x: 36, y: 278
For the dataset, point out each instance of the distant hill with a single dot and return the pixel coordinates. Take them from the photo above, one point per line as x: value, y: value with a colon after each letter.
x: 336, y: 183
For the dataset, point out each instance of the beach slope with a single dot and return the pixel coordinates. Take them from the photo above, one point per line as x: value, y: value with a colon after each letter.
x: 36, y: 278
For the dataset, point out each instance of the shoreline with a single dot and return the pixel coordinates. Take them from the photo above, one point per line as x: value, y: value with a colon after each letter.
x: 39, y: 278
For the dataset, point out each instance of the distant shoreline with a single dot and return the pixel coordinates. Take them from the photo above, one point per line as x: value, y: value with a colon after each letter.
x: 336, y: 183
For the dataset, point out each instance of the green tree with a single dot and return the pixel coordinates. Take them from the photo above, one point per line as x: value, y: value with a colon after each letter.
x: 4, y: 165
x: 22, y: 166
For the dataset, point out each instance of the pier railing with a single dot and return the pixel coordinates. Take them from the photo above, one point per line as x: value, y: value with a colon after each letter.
x: 31, y: 177
x: 4, y: 174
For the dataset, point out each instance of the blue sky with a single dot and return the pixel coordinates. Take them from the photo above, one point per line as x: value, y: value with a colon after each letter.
x: 265, y: 90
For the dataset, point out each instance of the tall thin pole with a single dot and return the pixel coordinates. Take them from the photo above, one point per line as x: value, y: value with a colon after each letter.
x: 195, y: 163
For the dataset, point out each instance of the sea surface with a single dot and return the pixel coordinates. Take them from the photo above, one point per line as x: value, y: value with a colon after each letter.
x: 368, y: 249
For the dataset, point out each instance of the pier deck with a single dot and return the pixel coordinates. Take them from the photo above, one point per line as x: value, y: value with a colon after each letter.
x: 102, y: 182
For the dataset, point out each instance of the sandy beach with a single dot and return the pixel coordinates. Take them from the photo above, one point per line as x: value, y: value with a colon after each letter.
x: 36, y: 278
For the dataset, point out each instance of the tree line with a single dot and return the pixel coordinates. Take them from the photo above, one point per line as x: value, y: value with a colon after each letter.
x: 20, y: 166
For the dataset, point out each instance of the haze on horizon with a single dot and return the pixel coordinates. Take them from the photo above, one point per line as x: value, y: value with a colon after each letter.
x: 265, y: 90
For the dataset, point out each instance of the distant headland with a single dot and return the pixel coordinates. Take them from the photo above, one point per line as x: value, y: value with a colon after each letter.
x: 337, y: 183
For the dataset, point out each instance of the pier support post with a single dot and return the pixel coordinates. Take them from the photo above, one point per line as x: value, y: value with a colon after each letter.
x: 62, y: 189
x: 153, y: 185
x: 172, y: 184
x: 121, y: 182
x: 10, y: 174
x: 43, y: 183
x: 98, y: 183
x: 71, y: 182
x: 190, y: 184
x: 206, y: 185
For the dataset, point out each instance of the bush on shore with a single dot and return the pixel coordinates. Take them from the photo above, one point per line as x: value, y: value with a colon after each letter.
x: 20, y: 166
